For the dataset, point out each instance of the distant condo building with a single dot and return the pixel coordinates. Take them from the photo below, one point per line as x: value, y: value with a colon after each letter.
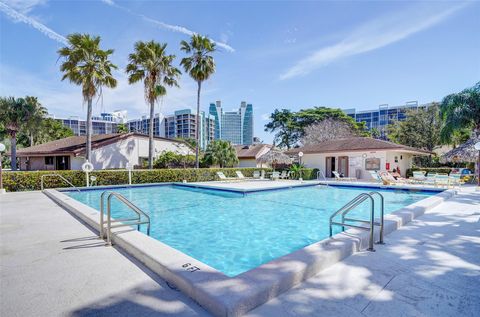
x: 383, y: 116
x: 234, y: 126
x: 106, y: 123
x: 182, y: 124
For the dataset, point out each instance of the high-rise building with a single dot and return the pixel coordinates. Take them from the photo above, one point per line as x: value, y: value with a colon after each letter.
x: 182, y: 124
x: 234, y: 126
x: 105, y: 123
x: 383, y: 116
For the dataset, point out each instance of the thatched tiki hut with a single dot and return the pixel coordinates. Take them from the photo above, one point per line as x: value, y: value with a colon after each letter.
x: 275, y: 156
x: 465, y: 153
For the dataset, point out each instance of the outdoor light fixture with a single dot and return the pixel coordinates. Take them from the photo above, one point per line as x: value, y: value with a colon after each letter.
x: 300, y: 154
x: 364, y: 155
x: 2, y: 148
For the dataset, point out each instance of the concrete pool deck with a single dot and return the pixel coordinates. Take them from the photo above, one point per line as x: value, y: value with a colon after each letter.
x: 51, y: 264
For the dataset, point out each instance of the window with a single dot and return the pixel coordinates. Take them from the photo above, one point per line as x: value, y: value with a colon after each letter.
x: 48, y: 160
x: 372, y: 164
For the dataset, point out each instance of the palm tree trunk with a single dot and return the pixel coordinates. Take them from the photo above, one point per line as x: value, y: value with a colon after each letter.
x: 150, y: 135
x: 197, y: 129
x: 88, y: 146
x: 31, y: 138
x: 13, y: 145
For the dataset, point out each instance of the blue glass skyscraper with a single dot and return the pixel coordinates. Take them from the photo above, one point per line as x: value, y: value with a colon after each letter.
x: 233, y: 126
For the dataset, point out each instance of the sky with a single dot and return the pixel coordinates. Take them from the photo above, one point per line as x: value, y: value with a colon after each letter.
x: 273, y: 54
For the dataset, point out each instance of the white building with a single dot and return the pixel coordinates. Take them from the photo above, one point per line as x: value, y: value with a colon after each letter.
x: 355, y: 157
x: 108, y: 151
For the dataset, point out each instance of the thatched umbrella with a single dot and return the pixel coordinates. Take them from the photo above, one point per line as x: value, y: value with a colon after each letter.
x: 275, y: 156
x: 463, y: 153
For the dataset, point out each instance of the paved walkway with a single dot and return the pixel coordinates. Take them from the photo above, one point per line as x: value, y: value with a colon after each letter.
x: 53, y: 265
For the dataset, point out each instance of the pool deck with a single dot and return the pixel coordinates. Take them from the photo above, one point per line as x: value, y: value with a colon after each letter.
x: 53, y: 265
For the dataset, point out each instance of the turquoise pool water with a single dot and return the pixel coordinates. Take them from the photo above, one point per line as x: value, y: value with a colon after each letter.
x: 234, y: 233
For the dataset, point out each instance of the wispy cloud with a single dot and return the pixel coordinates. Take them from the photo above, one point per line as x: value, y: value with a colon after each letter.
x: 163, y: 25
x: 19, y: 17
x: 372, y: 36
x: 24, y: 6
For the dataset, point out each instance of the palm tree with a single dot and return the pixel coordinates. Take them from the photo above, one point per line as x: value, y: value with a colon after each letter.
x: 151, y: 64
x: 86, y: 65
x: 222, y: 153
x: 461, y: 110
x: 35, y: 121
x: 14, y: 114
x: 122, y: 128
x: 200, y: 66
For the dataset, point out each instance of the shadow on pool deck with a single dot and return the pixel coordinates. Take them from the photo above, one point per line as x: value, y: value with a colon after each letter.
x: 430, y: 267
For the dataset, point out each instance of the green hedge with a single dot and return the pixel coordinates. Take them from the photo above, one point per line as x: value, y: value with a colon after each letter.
x: 442, y: 170
x: 30, y: 180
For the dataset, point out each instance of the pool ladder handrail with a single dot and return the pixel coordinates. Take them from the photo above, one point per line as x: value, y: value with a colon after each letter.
x: 372, y: 223
x: 321, y: 173
x: 124, y: 222
x: 42, y: 180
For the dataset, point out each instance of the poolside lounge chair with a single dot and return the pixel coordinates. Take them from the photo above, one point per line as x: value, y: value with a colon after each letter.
x: 225, y: 178
x: 339, y: 178
x: 456, y: 179
x: 256, y: 174
x: 375, y: 176
x: 275, y: 176
x: 419, y: 176
x: 442, y: 180
x: 284, y: 175
x: 241, y: 176
x: 388, y: 179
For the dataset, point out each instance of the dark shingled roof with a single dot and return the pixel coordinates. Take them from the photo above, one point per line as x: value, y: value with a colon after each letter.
x: 355, y: 144
x: 250, y: 151
x: 76, y: 144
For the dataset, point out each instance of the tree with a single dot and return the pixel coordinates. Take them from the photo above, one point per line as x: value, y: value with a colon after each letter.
x: 122, y: 128
x: 14, y: 114
x: 283, y: 123
x: 290, y: 126
x: 50, y: 130
x: 151, y: 64
x: 461, y: 111
x: 375, y: 133
x: 327, y: 129
x: 88, y: 66
x: 37, y: 115
x: 222, y: 153
x: 169, y: 159
x: 420, y: 129
x: 200, y: 65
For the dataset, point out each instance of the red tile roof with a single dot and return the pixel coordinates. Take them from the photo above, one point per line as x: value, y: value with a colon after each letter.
x: 355, y: 144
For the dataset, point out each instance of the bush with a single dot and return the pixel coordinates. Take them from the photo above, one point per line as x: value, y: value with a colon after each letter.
x: 30, y: 180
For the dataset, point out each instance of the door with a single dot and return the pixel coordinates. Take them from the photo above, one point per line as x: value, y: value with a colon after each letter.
x: 343, y: 165
x: 62, y: 162
x: 329, y: 166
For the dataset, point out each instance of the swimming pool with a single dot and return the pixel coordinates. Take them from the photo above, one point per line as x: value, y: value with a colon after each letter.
x: 236, y: 232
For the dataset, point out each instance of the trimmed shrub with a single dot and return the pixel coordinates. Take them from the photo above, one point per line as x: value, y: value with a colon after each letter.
x: 30, y: 180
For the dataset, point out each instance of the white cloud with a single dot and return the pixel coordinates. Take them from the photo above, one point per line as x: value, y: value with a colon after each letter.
x: 266, y: 116
x: 19, y: 17
x: 166, y: 26
x: 374, y: 35
x: 24, y: 6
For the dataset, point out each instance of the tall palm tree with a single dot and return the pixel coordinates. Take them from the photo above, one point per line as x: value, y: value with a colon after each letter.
x: 200, y: 66
x: 461, y: 110
x: 151, y: 64
x: 86, y: 65
x: 14, y: 114
x: 37, y: 115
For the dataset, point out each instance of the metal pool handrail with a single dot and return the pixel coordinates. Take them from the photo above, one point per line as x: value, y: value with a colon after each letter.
x: 321, y: 173
x: 42, y: 178
x: 372, y: 223
x: 135, y: 221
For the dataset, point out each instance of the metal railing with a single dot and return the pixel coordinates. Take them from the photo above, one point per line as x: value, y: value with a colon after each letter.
x: 371, y: 223
x: 123, y: 222
x: 321, y: 173
x: 42, y: 180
